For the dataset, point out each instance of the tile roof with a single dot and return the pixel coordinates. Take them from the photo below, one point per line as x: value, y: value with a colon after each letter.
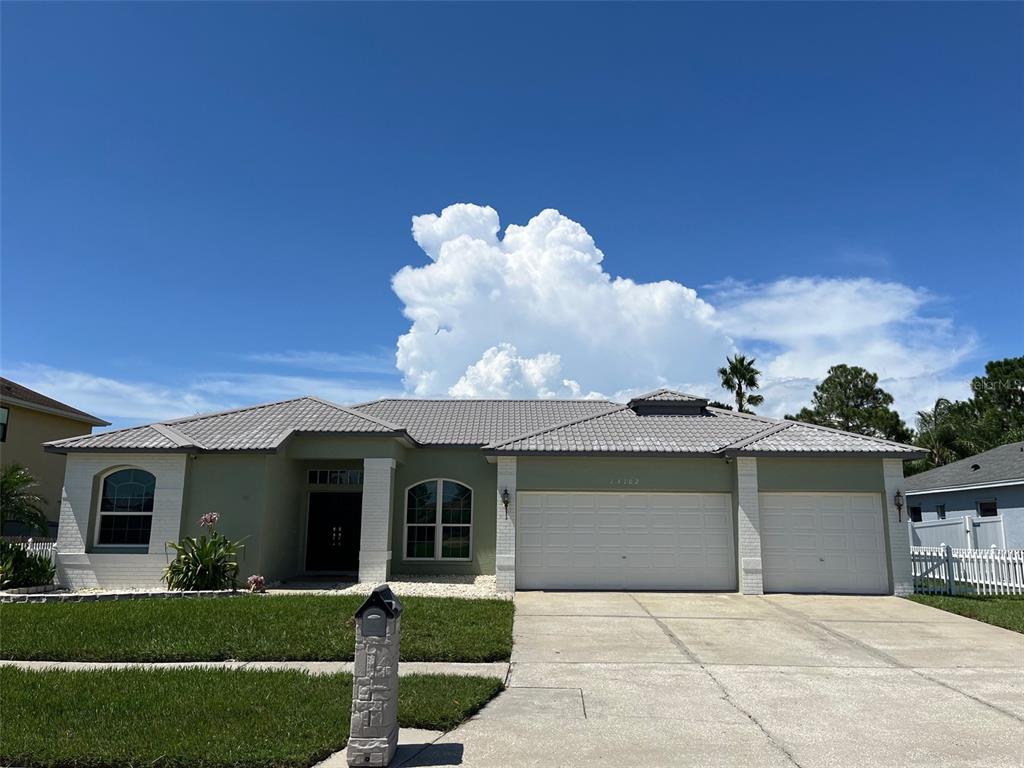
x: 477, y: 422
x: 17, y: 394
x: 797, y: 437
x: 1002, y: 464
x: 260, y: 427
x: 667, y: 396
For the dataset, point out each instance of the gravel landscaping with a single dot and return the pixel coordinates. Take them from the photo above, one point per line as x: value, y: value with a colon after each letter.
x: 471, y: 587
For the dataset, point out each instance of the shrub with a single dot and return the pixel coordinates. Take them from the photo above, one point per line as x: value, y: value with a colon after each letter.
x: 20, y: 568
x: 209, y: 562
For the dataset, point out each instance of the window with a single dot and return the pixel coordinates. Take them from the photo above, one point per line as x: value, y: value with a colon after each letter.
x: 335, y: 477
x: 915, y: 514
x: 126, y: 508
x: 438, y: 521
x: 987, y: 508
x: 4, y: 412
x: 940, y: 511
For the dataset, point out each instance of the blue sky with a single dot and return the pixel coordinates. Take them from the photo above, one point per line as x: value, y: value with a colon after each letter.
x: 204, y: 205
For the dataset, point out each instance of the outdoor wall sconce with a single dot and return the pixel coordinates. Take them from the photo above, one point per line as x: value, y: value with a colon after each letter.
x: 506, y: 497
x: 898, y: 501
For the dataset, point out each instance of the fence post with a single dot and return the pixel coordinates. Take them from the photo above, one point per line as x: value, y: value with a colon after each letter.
x: 947, y: 554
x: 969, y: 530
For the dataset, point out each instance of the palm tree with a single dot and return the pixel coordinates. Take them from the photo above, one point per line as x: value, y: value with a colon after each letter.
x: 18, y: 500
x: 740, y: 377
x: 937, y: 430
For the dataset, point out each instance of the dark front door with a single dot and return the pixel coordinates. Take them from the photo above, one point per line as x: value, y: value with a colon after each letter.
x: 332, y: 537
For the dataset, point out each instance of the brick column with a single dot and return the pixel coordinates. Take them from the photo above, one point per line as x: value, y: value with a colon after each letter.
x: 748, y: 527
x: 899, y: 531
x: 375, y: 527
x: 505, y: 545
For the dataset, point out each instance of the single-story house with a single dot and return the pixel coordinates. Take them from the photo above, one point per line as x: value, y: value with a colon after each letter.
x: 982, y: 486
x: 662, y: 493
x: 27, y: 420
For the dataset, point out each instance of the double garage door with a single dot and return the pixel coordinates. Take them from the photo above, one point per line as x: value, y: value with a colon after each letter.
x: 687, y: 541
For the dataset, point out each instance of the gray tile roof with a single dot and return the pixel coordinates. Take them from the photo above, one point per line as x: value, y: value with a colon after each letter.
x: 260, y: 427
x: 622, y: 430
x: 667, y: 396
x: 1002, y: 464
x: 477, y: 422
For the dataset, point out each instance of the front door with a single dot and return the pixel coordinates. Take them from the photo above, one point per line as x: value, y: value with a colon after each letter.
x: 332, y: 535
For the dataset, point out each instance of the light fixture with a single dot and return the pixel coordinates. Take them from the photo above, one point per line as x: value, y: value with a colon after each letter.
x: 506, y: 497
x: 898, y: 501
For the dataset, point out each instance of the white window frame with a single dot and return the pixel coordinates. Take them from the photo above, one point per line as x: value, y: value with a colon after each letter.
x: 100, y: 514
x: 438, y: 525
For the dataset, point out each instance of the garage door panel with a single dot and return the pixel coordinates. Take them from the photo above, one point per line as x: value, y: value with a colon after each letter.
x: 827, y: 542
x: 626, y: 541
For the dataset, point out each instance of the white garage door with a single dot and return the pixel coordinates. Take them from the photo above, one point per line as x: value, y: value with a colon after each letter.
x: 678, y: 541
x: 823, y: 542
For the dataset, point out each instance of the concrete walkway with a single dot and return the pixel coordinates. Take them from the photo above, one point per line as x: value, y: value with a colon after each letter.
x: 498, y: 669
x: 613, y: 679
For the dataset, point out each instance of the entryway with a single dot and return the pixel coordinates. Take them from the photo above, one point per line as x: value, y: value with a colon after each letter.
x: 332, y: 531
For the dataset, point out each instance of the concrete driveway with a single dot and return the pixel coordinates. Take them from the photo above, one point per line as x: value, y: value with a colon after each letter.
x: 632, y: 679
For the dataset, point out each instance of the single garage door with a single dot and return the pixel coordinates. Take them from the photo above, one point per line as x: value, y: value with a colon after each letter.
x: 823, y: 542
x: 680, y: 541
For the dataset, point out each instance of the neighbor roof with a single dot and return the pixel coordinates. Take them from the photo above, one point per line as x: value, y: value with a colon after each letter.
x: 258, y: 428
x: 1004, y: 464
x: 507, y: 427
x: 478, y: 422
x: 16, y: 394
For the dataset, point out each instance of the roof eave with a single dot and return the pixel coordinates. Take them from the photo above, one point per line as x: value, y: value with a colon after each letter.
x: 596, y: 453
x: 907, y: 455
x: 80, y: 416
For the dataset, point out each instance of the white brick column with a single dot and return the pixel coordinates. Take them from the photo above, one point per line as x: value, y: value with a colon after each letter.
x: 505, y: 544
x: 748, y: 527
x: 899, y: 531
x: 375, y: 527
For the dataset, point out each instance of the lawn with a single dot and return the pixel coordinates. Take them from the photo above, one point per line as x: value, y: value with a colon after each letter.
x: 204, y: 718
x: 250, y: 627
x: 1002, y: 610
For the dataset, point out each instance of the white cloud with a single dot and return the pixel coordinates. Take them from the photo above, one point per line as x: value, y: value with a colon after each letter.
x: 317, y: 360
x: 533, y: 314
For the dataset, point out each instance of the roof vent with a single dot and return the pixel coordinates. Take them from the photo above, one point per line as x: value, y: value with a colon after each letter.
x: 667, y: 402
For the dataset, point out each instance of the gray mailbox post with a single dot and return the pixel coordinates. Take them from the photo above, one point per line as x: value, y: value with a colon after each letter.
x: 374, y: 734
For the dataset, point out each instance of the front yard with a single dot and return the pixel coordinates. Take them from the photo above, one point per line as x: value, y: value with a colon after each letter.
x: 204, y: 718
x: 1005, y: 611
x: 248, y: 628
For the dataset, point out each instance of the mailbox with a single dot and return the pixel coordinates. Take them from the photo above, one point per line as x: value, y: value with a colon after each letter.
x: 373, y: 736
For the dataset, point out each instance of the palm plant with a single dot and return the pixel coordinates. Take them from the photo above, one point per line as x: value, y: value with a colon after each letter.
x: 740, y: 377
x: 19, y: 503
x: 937, y: 431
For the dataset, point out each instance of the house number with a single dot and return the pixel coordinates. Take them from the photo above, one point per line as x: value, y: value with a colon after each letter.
x: 624, y: 481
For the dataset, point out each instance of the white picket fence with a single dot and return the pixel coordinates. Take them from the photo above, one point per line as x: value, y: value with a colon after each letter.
x: 949, y: 571
x: 47, y: 547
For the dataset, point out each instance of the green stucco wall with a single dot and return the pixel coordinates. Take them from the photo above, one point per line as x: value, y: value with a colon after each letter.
x: 623, y: 474
x: 812, y: 474
x: 331, y: 447
x: 467, y: 466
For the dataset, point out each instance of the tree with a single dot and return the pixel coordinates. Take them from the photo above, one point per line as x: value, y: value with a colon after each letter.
x: 19, y: 503
x: 740, y: 377
x: 939, y: 431
x: 850, y: 399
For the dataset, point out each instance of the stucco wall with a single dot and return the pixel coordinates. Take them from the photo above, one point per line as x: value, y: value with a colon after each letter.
x: 814, y: 474
x: 27, y: 430
x: 1009, y: 503
x: 623, y: 474
x: 467, y: 466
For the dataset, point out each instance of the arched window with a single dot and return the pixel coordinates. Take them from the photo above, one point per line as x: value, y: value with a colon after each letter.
x: 126, y: 508
x: 438, y: 521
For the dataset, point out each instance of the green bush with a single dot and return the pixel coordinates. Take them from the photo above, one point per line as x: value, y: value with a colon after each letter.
x: 19, y: 568
x: 209, y: 562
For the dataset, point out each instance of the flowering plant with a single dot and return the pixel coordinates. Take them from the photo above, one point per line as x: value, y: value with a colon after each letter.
x: 256, y: 583
x: 209, y: 520
x: 207, y: 562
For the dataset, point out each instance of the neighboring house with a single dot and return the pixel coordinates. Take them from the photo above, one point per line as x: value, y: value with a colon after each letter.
x: 28, y: 419
x: 984, y: 485
x: 662, y: 493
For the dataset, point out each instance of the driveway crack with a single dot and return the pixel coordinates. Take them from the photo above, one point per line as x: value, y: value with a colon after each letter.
x: 678, y: 643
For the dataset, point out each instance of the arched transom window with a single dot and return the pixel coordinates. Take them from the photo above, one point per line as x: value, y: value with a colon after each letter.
x: 126, y: 508
x: 438, y: 521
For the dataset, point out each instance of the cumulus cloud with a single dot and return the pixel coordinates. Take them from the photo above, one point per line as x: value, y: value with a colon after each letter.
x: 531, y: 312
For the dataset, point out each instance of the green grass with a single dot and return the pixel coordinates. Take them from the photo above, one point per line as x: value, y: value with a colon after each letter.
x: 205, y: 718
x: 284, y: 627
x: 1002, y: 610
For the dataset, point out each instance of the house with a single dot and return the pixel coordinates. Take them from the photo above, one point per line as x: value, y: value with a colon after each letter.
x: 664, y: 492
x: 27, y: 419
x: 985, y: 485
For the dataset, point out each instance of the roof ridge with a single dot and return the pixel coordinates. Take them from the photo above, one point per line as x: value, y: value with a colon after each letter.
x: 211, y: 414
x: 767, y: 432
x: 357, y: 414
x: 99, y: 434
x: 823, y: 428
x: 172, y: 434
x: 742, y: 415
x: 534, y: 433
